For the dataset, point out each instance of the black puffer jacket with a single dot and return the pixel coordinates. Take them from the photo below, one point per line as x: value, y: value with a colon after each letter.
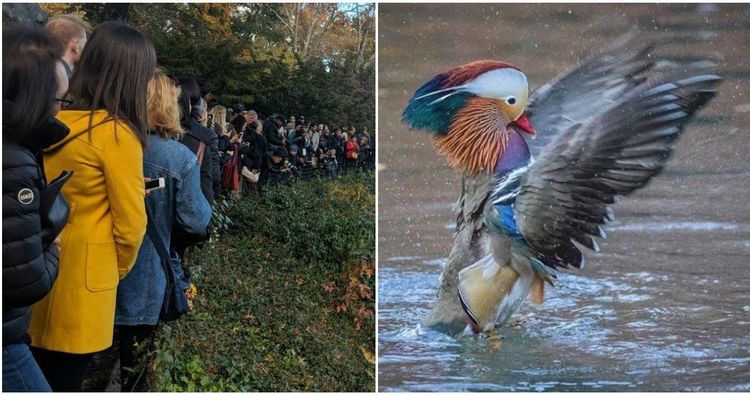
x: 29, y: 267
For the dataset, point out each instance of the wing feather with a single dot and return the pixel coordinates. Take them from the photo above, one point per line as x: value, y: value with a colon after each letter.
x: 601, y: 79
x: 564, y: 197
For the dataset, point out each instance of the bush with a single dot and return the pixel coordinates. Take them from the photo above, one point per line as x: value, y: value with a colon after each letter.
x: 285, y: 296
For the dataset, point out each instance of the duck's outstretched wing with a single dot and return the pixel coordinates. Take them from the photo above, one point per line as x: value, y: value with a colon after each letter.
x: 601, y: 79
x: 564, y: 196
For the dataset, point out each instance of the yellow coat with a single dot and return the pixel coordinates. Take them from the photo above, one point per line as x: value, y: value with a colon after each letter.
x: 105, y: 229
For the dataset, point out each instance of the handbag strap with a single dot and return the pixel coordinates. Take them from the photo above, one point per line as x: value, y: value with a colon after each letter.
x: 236, y: 155
x: 156, y: 240
x: 201, y: 147
x: 201, y: 151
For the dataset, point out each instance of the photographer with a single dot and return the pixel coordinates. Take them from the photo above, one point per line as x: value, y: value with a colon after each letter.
x: 279, y: 169
x: 330, y: 163
x: 294, y: 156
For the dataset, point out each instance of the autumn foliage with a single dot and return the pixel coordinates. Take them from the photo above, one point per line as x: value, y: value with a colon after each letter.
x: 312, y: 59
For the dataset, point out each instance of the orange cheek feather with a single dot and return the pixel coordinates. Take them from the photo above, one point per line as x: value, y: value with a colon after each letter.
x: 476, y: 137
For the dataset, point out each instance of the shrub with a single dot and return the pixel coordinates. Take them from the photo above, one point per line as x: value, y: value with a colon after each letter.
x: 285, y: 296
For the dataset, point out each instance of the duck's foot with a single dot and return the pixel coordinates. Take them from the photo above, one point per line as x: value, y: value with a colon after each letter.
x: 494, y: 339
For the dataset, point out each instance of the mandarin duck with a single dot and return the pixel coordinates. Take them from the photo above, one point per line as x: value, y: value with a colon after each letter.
x: 528, y: 207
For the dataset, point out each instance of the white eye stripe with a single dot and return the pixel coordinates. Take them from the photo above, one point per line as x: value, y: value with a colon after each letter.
x: 507, y: 84
x: 453, y: 88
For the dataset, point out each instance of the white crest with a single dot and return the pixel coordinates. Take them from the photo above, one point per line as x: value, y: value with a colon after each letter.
x: 503, y: 84
x: 500, y: 84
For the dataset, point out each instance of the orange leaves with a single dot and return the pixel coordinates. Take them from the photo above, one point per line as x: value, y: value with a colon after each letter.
x: 358, y: 296
x: 329, y: 286
x: 361, y: 315
x: 364, y: 291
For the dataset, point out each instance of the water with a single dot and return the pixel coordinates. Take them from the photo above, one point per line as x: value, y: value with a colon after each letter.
x: 664, y: 307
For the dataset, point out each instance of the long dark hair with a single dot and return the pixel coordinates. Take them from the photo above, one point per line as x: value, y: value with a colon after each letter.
x: 113, y: 74
x: 189, y: 96
x: 29, y: 81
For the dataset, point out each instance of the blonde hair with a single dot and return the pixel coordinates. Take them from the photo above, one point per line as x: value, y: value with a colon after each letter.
x: 220, y: 119
x: 204, y: 115
x: 163, y: 109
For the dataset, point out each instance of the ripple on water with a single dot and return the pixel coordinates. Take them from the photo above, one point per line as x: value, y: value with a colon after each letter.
x: 692, y: 226
x: 397, y: 286
x: 402, y: 258
x: 645, y: 277
x: 439, y: 262
x: 595, y: 328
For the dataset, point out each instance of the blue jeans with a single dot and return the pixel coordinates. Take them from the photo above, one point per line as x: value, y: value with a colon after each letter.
x: 21, y: 373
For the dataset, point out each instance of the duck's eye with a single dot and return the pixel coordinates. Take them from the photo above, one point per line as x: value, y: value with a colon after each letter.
x: 511, y: 100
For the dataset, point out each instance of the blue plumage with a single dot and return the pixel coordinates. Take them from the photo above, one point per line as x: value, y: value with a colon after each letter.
x: 507, y: 222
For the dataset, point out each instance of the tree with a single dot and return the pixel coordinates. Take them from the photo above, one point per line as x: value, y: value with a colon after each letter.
x: 309, y: 59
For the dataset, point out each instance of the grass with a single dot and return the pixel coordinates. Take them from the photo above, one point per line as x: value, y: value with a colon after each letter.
x: 285, y: 296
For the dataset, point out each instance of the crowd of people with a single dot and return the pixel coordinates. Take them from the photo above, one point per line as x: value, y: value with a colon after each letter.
x: 110, y: 168
x: 274, y: 149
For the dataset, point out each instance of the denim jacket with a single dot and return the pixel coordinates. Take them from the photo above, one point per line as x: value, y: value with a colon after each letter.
x: 180, y: 203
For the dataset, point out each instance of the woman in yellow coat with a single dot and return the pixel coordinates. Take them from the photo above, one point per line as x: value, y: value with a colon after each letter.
x: 107, y: 222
